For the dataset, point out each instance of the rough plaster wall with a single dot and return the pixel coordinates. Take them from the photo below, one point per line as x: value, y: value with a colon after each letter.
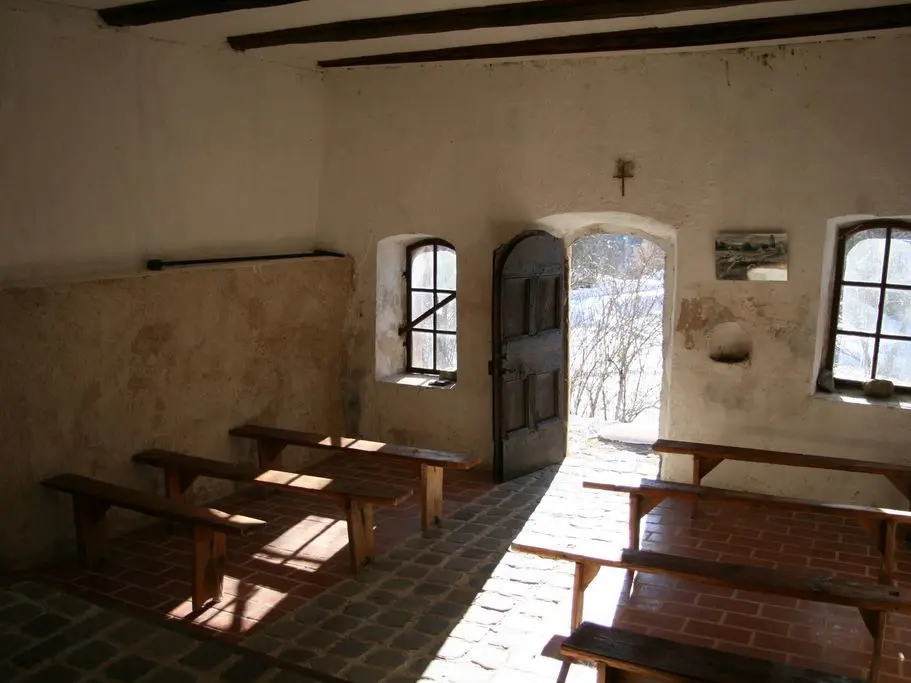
x: 764, y: 138
x: 115, y: 148
x: 96, y: 371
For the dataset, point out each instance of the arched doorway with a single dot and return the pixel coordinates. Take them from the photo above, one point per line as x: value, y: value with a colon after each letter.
x: 572, y: 227
x: 616, y: 299
x: 530, y: 349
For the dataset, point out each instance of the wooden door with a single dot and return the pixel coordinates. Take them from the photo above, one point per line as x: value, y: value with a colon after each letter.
x: 530, y: 354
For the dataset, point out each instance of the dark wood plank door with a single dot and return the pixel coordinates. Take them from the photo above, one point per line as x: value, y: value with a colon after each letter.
x: 530, y: 354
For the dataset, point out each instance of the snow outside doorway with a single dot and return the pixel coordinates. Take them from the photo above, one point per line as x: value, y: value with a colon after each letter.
x: 616, y: 337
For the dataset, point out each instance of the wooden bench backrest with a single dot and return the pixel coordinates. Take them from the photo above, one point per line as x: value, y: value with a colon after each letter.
x: 780, y: 458
x: 343, y: 444
x: 672, y: 661
x: 804, y: 586
x: 154, y: 505
x: 724, y: 496
x: 367, y: 492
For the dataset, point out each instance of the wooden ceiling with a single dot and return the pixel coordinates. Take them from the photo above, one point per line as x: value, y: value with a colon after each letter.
x: 349, y: 33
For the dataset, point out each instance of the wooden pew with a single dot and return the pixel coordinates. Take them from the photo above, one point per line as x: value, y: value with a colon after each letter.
x: 270, y: 442
x: 92, y: 498
x: 358, y: 498
x: 614, y: 649
x: 883, y: 522
x: 865, y: 595
x: 874, y: 601
x: 706, y: 457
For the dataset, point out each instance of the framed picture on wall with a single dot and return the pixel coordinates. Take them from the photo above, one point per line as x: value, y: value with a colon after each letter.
x: 760, y: 256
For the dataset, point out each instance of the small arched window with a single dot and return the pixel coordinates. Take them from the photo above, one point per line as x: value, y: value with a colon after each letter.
x: 870, y: 329
x: 430, y: 327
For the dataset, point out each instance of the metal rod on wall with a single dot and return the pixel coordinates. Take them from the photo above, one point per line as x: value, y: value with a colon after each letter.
x: 158, y: 264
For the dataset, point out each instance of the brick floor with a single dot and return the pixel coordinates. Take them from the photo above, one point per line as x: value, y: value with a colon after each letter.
x: 456, y: 605
x: 48, y: 636
x: 302, y: 551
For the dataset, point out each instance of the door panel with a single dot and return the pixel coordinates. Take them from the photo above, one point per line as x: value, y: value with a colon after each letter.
x: 529, y: 354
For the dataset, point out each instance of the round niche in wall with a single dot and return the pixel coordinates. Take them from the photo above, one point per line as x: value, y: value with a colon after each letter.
x: 729, y: 343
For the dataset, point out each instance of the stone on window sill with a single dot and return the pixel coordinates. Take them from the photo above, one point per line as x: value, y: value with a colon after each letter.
x: 856, y: 397
x: 418, y: 380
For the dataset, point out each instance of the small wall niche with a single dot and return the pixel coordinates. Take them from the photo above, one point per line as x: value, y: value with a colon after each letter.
x: 729, y: 343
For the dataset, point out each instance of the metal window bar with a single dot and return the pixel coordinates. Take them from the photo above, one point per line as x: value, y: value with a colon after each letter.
x: 408, y: 328
x: 883, y: 286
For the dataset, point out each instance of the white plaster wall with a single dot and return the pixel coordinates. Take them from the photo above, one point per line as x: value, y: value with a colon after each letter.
x: 116, y: 148
x: 761, y: 138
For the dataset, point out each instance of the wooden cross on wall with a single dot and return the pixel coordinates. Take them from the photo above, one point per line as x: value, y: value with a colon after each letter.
x: 625, y: 169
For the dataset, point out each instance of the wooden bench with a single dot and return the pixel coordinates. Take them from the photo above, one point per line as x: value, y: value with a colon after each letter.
x: 270, y: 442
x: 706, y: 457
x: 358, y: 498
x: 883, y: 522
x: 92, y: 498
x: 614, y: 650
x: 874, y: 601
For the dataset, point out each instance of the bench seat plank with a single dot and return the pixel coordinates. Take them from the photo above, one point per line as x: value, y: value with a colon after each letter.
x: 270, y: 441
x: 722, y: 496
x: 356, y: 497
x: 92, y: 498
x: 864, y: 595
x: 368, y: 492
x: 780, y: 458
x: 153, y: 505
x: 671, y: 661
x: 456, y: 461
x: 650, y: 493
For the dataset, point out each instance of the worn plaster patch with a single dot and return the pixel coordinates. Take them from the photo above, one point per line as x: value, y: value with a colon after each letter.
x: 700, y: 314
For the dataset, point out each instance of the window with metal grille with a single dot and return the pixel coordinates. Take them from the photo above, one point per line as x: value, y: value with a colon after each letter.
x: 430, y: 322
x: 870, y: 329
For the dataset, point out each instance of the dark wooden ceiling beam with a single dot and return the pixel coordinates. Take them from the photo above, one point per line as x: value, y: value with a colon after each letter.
x: 470, y: 18
x: 155, y: 11
x: 731, y: 32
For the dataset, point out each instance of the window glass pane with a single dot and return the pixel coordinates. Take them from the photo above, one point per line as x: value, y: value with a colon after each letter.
x: 864, y: 254
x: 894, y: 361
x: 446, y: 268
x: 446, y: 316
x: 859, y: 309
x: 422, y: 350
x: 446, y: 352
x: 900, y: 258
x: 853, y: 358
x: 897, y: 312
x: 422, y: 267
x: 421, y: 302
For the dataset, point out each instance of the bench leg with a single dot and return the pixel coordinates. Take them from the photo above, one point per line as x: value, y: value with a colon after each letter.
x: 177, y: 486
x: 701, y: 467
x: 210, y: 553
x: 903, y: 484
x: 635, y: 518
x: 888, y: 540
x: 431, y: 496
x: 585, y: 574
x: 360, y: 532
x: 91, y: 529
x: 876, y: 623
x: 268, y: 452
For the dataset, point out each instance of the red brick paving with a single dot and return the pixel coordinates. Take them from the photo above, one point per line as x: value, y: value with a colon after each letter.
x: 303, y: 551
x: 826, y: 637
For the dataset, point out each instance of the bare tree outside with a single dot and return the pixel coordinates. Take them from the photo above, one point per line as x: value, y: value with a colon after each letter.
x: 616, y: 327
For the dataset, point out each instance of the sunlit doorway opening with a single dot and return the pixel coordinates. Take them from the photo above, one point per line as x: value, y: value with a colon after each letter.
x: 616, y: 338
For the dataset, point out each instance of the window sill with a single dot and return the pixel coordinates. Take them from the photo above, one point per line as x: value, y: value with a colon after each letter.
x: 856, y: 397
x: 417, y: 380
